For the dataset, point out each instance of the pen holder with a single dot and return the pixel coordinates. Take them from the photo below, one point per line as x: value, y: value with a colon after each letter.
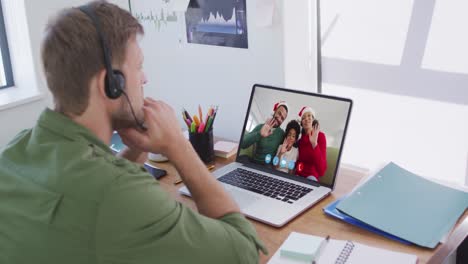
x: 203, y: 145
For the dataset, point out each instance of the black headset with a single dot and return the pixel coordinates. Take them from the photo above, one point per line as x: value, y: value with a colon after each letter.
x: 115, y: 79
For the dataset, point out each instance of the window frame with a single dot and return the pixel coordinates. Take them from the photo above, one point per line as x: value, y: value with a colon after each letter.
x: 5, y: 52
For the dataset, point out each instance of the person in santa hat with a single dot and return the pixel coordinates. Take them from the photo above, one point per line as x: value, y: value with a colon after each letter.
x: 268, y: 136
x: 312, y: 160
x: 287, y: 152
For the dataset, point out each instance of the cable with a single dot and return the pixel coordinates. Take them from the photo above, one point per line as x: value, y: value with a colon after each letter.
x: 139, y: 124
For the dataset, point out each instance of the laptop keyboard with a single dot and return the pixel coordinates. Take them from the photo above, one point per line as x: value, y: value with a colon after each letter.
x: 267, y: 186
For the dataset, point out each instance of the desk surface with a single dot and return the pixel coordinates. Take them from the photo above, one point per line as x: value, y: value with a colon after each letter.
x: 315, y: 222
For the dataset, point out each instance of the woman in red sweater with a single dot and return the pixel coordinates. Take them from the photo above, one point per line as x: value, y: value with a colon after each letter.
x: 312, y: 160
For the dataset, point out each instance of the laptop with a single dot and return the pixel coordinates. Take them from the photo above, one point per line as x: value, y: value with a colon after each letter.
x: 269, y: 187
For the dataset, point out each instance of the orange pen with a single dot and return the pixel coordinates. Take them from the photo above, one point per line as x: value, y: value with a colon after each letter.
x: 196, y: 120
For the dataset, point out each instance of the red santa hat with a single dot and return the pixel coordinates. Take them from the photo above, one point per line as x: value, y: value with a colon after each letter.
x: 280, y: 103
x: 306, y: 109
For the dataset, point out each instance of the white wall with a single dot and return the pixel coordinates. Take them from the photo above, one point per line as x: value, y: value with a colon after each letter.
x: 404, y: 63
x: 229, y: 80
x: 300, y: 44
x: 186, y: 75
x: 25, y: 115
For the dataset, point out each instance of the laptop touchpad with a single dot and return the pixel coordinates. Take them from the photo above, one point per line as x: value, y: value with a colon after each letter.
x: 242, y: 198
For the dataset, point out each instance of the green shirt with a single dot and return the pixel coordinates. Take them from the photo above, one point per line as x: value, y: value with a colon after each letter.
x: 263, y: 145
x: 65, y: 198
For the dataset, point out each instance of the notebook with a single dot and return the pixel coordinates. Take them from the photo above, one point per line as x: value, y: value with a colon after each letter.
x: 406, y: 205
x: 343, y: 252
x: 260, y: 179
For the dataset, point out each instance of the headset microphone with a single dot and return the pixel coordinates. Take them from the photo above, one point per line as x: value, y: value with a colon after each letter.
x: 115, y: 79
x: 140, y: 124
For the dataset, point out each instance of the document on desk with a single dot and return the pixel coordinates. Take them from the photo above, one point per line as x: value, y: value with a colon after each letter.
x: 406, y: 205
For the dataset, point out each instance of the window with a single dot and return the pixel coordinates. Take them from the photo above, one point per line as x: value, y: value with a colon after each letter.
x: 17, y: 64
x: 6, y: 75
x: 404, y: 64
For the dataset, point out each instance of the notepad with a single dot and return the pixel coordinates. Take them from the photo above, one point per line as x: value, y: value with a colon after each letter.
x: 300, y: 246
x: 338, y: 252
x: 348, y: 252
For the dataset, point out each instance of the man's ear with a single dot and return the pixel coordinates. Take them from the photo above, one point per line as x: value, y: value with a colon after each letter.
x: 100, y: 79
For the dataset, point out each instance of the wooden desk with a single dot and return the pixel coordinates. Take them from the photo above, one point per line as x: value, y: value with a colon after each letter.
x: 315, y: 222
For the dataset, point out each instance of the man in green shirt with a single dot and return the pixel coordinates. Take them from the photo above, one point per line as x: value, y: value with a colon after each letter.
x: 268, y: 136
x: 65, y: 198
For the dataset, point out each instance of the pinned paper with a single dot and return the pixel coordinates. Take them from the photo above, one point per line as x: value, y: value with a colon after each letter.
x: 265, y: 11
x: 179, y: 5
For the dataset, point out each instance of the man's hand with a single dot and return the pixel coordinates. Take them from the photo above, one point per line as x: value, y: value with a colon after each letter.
x: 164, y: 136
x: 163, y: 130
x: 266, y: 128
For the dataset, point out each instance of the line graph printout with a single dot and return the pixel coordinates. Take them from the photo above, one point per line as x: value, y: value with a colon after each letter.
x: 159, y: 14
x: 217, y: 22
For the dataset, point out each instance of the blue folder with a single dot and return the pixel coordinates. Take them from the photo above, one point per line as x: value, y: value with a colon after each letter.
x: 406, y: 205
x: 331, y: 210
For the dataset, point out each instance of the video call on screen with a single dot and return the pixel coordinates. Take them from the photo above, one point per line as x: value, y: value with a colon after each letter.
x: 298, y: 134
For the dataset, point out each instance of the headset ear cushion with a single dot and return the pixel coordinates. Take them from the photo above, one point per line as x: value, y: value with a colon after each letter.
x: 115, y: 89
x: 119, y: 79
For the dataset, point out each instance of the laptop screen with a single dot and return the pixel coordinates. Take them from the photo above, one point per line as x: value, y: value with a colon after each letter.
x: 295, y: 133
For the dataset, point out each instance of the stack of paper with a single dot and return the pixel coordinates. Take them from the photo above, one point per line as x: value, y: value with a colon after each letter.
x: 406, y: 206
x: 225, y: 149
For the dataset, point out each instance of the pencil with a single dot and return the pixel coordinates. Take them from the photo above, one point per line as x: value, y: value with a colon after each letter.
x: 179, y: 180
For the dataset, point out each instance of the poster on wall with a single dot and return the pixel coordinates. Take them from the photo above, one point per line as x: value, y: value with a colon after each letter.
x: 217, y: 22
x: 163, y: 20
x: 159, y: 14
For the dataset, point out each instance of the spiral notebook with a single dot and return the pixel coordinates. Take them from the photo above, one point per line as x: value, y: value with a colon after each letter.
x: 347, y: 252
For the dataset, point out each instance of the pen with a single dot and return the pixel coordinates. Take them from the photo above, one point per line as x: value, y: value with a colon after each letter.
x: 215, y: 112
x: 210, y: 111
x: 187, y: 121
x: 208, y: 124
x: 320, y: 249
x: 188, y: 115
x: 196, y: 120
x: 177, y: 181
x: 200, y: 113
x: 192, y: 127
x: 201, y: 128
